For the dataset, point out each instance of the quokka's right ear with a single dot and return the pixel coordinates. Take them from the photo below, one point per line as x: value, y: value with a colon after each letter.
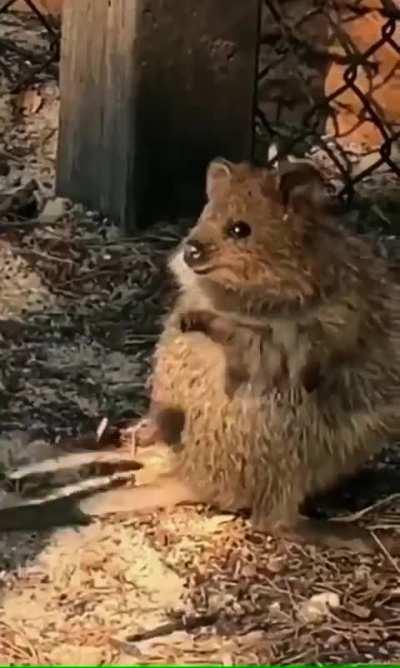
x: 219, y: 174
x: 302, y: 187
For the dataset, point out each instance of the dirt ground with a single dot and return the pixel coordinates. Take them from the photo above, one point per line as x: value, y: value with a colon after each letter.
x: 80, y: 308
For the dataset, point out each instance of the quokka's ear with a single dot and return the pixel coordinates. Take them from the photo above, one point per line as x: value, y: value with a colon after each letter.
x: 219, y: 175
x: 302, y: 187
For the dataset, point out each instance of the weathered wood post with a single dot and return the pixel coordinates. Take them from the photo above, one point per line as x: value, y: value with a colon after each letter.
x: 151, y: 90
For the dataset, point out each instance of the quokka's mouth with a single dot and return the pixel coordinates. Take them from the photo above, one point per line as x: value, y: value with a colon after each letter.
x: 184, y: 271
x: 202, y: 271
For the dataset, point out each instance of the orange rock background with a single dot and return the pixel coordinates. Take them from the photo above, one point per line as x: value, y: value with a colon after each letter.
x: 302, y: 75
x: 381, y: 87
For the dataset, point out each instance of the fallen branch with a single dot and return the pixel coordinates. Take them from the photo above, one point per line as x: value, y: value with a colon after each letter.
x: 354, y: 517
x: 36, y: 513
x: 65, y: 470
x: 385, y: 551
x: 59, y: 508
x: 184, y: 624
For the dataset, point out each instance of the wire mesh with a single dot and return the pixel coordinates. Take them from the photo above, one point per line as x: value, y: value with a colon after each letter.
x: 301, y: 43
x: 299, y: 108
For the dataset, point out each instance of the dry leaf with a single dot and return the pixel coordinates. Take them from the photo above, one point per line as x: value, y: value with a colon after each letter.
x: 29, y: 101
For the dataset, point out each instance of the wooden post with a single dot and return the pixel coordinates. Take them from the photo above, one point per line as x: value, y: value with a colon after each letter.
x: 151, y: 90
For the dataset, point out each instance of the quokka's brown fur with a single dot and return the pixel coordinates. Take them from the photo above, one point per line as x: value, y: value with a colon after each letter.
x: 312, y: 320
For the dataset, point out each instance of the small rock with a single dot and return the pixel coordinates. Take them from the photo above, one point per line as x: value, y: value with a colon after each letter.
x: 220, y: 601
x: 334, y: 640
x: 275, y: 612
x: 53, y: 209
x: 317, y: 607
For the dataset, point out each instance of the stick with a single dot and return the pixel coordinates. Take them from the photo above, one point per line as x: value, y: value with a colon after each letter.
x: 183, y: 624
x: 58, y: 509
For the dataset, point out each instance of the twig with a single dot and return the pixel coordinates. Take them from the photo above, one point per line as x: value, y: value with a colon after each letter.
x: 44, y: 256
x: 184, y: 624
x: 376, y: 209
x: 9, y: 227
x: 7, y: 44
x: 10, y: 156
x: 364, y: 511
x: 385, y: 552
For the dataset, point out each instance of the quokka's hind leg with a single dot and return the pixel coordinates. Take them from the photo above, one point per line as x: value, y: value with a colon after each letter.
x: 324, y: 533
x: 72, y: 511
x: 167, y: 492
x: 158, y: 484
x: 328, y: 534
x: 284, y: 520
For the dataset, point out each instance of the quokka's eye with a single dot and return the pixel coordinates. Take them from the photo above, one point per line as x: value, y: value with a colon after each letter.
x: 238, y: 230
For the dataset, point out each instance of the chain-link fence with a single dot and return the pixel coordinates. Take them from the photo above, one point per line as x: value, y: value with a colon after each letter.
x: 329, y: 83
x: 23, y: 60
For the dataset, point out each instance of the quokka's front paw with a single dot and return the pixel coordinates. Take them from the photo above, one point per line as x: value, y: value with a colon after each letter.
x: 196, y: 321
x: 236, y: 377
x: 218, y: 329
x: 143, y: 433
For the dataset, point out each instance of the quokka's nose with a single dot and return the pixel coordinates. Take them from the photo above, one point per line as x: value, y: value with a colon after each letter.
x: 193, y: 252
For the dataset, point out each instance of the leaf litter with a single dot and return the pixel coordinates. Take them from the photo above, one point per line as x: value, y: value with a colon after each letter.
x: 80, y: 312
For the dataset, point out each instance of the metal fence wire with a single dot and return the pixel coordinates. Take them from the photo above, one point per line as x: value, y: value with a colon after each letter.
x: 300, y: 106
x: 300, y: 42
x: 30, y: 62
